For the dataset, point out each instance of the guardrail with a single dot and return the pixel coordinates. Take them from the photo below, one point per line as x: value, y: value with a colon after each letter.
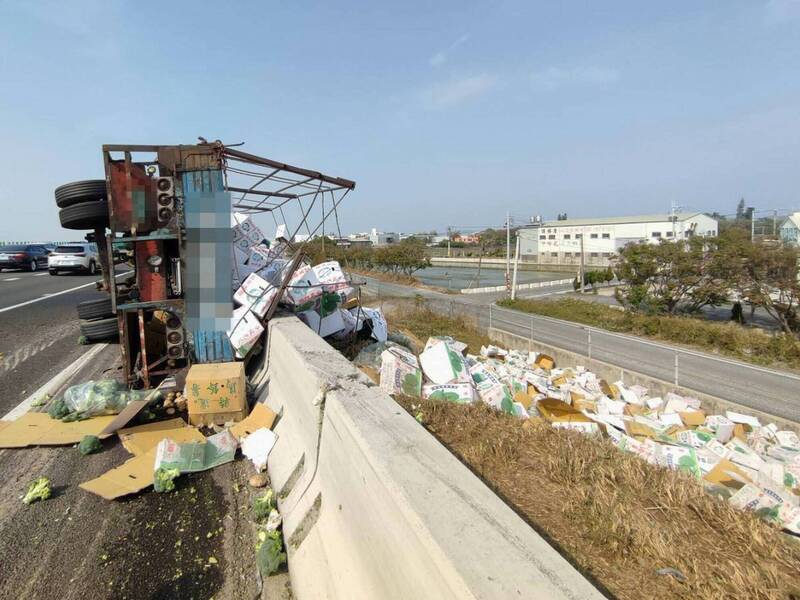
x: 520, y: 286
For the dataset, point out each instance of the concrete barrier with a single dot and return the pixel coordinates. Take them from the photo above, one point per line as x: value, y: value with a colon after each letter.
x: 375, y: 507
x: 520, y: 286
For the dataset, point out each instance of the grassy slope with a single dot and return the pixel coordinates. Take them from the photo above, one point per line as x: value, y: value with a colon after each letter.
x: 617, y: 518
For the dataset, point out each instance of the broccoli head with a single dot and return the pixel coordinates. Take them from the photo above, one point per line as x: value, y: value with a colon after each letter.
x: 262, y: 505
x: 38, y: 490
x: 164, y: 479
x: 89, y: 445
x: 269, y: 555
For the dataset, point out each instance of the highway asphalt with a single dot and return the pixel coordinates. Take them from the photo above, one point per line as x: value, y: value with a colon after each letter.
x: 77, y: 545
x: 771, y: 391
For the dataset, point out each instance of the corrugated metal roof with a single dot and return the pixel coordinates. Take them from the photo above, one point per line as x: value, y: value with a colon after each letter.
x: 619, y: 220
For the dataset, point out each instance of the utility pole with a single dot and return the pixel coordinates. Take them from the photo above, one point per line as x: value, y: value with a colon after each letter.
x: 673, y: 217
x: 516, y: 266
x: 580, y: 279
x: 508, y: 250
x: 752, y: 223
x: 448, y: 241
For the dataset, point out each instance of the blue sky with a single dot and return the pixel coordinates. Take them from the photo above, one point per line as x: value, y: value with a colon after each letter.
x: 445, y: 113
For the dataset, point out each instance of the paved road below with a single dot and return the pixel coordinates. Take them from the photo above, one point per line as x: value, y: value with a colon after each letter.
x: 767, y: 390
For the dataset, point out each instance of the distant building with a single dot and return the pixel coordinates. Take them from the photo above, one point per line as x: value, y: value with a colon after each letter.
x: 790, y: 229
x: 559, y: 242
x: 379, y: 238
x: 471, y: 238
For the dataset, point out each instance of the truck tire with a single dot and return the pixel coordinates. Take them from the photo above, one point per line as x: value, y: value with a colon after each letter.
x: 85, y: 215
x: 95, y: 309
x: 81, y: 191
x: 101, y: 329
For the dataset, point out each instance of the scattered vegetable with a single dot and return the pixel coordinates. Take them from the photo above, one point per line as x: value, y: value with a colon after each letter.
x: 164, y: 479
x: 38, y: 490
x: 269, y: 555
x: 89, y: 445
x: 262, y: 505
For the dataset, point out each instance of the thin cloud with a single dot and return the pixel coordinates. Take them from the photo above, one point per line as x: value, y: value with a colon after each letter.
x: 553, y: 78
x: 441, y: 57
x: 777, y: 12
x: 456, y: 91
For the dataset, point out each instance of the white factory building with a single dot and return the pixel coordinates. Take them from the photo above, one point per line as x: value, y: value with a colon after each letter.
x: 559, y: 242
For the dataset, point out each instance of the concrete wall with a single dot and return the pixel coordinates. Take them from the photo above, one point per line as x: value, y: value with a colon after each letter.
x: 657, y: 387
x: 375, y: 507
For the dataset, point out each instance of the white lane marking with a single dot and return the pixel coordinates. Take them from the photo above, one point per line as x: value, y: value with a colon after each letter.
x: 12, y: 279
x: 56, y: 382
x: 41, y: 274
x: 46, y: 296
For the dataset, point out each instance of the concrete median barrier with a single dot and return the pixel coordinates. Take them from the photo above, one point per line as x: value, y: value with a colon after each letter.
x: 375, y: 507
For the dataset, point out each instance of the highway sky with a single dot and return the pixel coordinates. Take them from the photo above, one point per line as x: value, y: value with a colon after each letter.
x: 445, y: 113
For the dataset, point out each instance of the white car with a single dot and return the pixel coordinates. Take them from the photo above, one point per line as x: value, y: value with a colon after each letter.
x: 74, y: 257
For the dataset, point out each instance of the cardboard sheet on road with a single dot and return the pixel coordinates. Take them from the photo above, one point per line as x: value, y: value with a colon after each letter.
x: 132, y: 476
x: 143, y: 438
x: 38, y: 429
x: 261, y: 416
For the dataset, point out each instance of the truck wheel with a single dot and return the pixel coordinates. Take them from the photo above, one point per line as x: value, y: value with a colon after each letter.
x: 101, y: 329
x: 81, y: 191
x: 95, y: 309
x: 85, y: 215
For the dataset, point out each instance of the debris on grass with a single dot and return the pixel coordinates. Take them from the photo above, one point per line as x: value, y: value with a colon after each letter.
x: 643, y: 492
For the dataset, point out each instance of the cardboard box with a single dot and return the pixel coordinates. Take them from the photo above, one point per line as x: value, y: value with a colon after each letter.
x: 543, y: 361
x: 400, y: 373
x: 441, y: 364
x: 245, y: 331
x: 461, y: 393
x: 693, y: 418
x: 216, y: 393
x: 257, y: 294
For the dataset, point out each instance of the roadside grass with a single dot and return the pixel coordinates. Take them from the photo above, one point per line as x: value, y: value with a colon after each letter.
x: 616, y: 517
x: 751, y: 345
x: 421, y: 322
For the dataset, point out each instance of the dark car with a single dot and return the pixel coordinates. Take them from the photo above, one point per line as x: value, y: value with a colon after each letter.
x: 23, y: 256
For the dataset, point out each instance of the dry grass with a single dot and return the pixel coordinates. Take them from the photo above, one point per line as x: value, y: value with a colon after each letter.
x: 616, y: 517
x: 745, y: 343
x: 421, y: 322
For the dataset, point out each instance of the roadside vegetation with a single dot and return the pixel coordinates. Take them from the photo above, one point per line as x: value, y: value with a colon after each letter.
x: 402, y: 259
x: 636, y: 529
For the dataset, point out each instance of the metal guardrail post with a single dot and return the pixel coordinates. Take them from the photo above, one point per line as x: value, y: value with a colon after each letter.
x: 589, y: 342
x: 676, y: 367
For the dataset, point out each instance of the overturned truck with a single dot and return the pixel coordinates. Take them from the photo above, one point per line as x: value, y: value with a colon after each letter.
x: 179, y: 216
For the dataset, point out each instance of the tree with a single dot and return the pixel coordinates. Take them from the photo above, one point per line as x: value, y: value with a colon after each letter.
x: 670, y: 276
x: 766, y: 276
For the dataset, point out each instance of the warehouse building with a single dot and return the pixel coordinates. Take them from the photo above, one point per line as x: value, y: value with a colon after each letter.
x: 560, y: 242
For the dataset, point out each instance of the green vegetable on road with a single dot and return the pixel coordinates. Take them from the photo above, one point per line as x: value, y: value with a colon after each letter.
x: 269, y: 555
x: 262, y: 505
x: 89, y: 445
x: 38, y: 490
x: 164, y: 479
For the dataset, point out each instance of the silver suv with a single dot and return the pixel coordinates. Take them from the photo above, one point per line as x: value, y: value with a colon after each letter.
x: 74, y: 257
